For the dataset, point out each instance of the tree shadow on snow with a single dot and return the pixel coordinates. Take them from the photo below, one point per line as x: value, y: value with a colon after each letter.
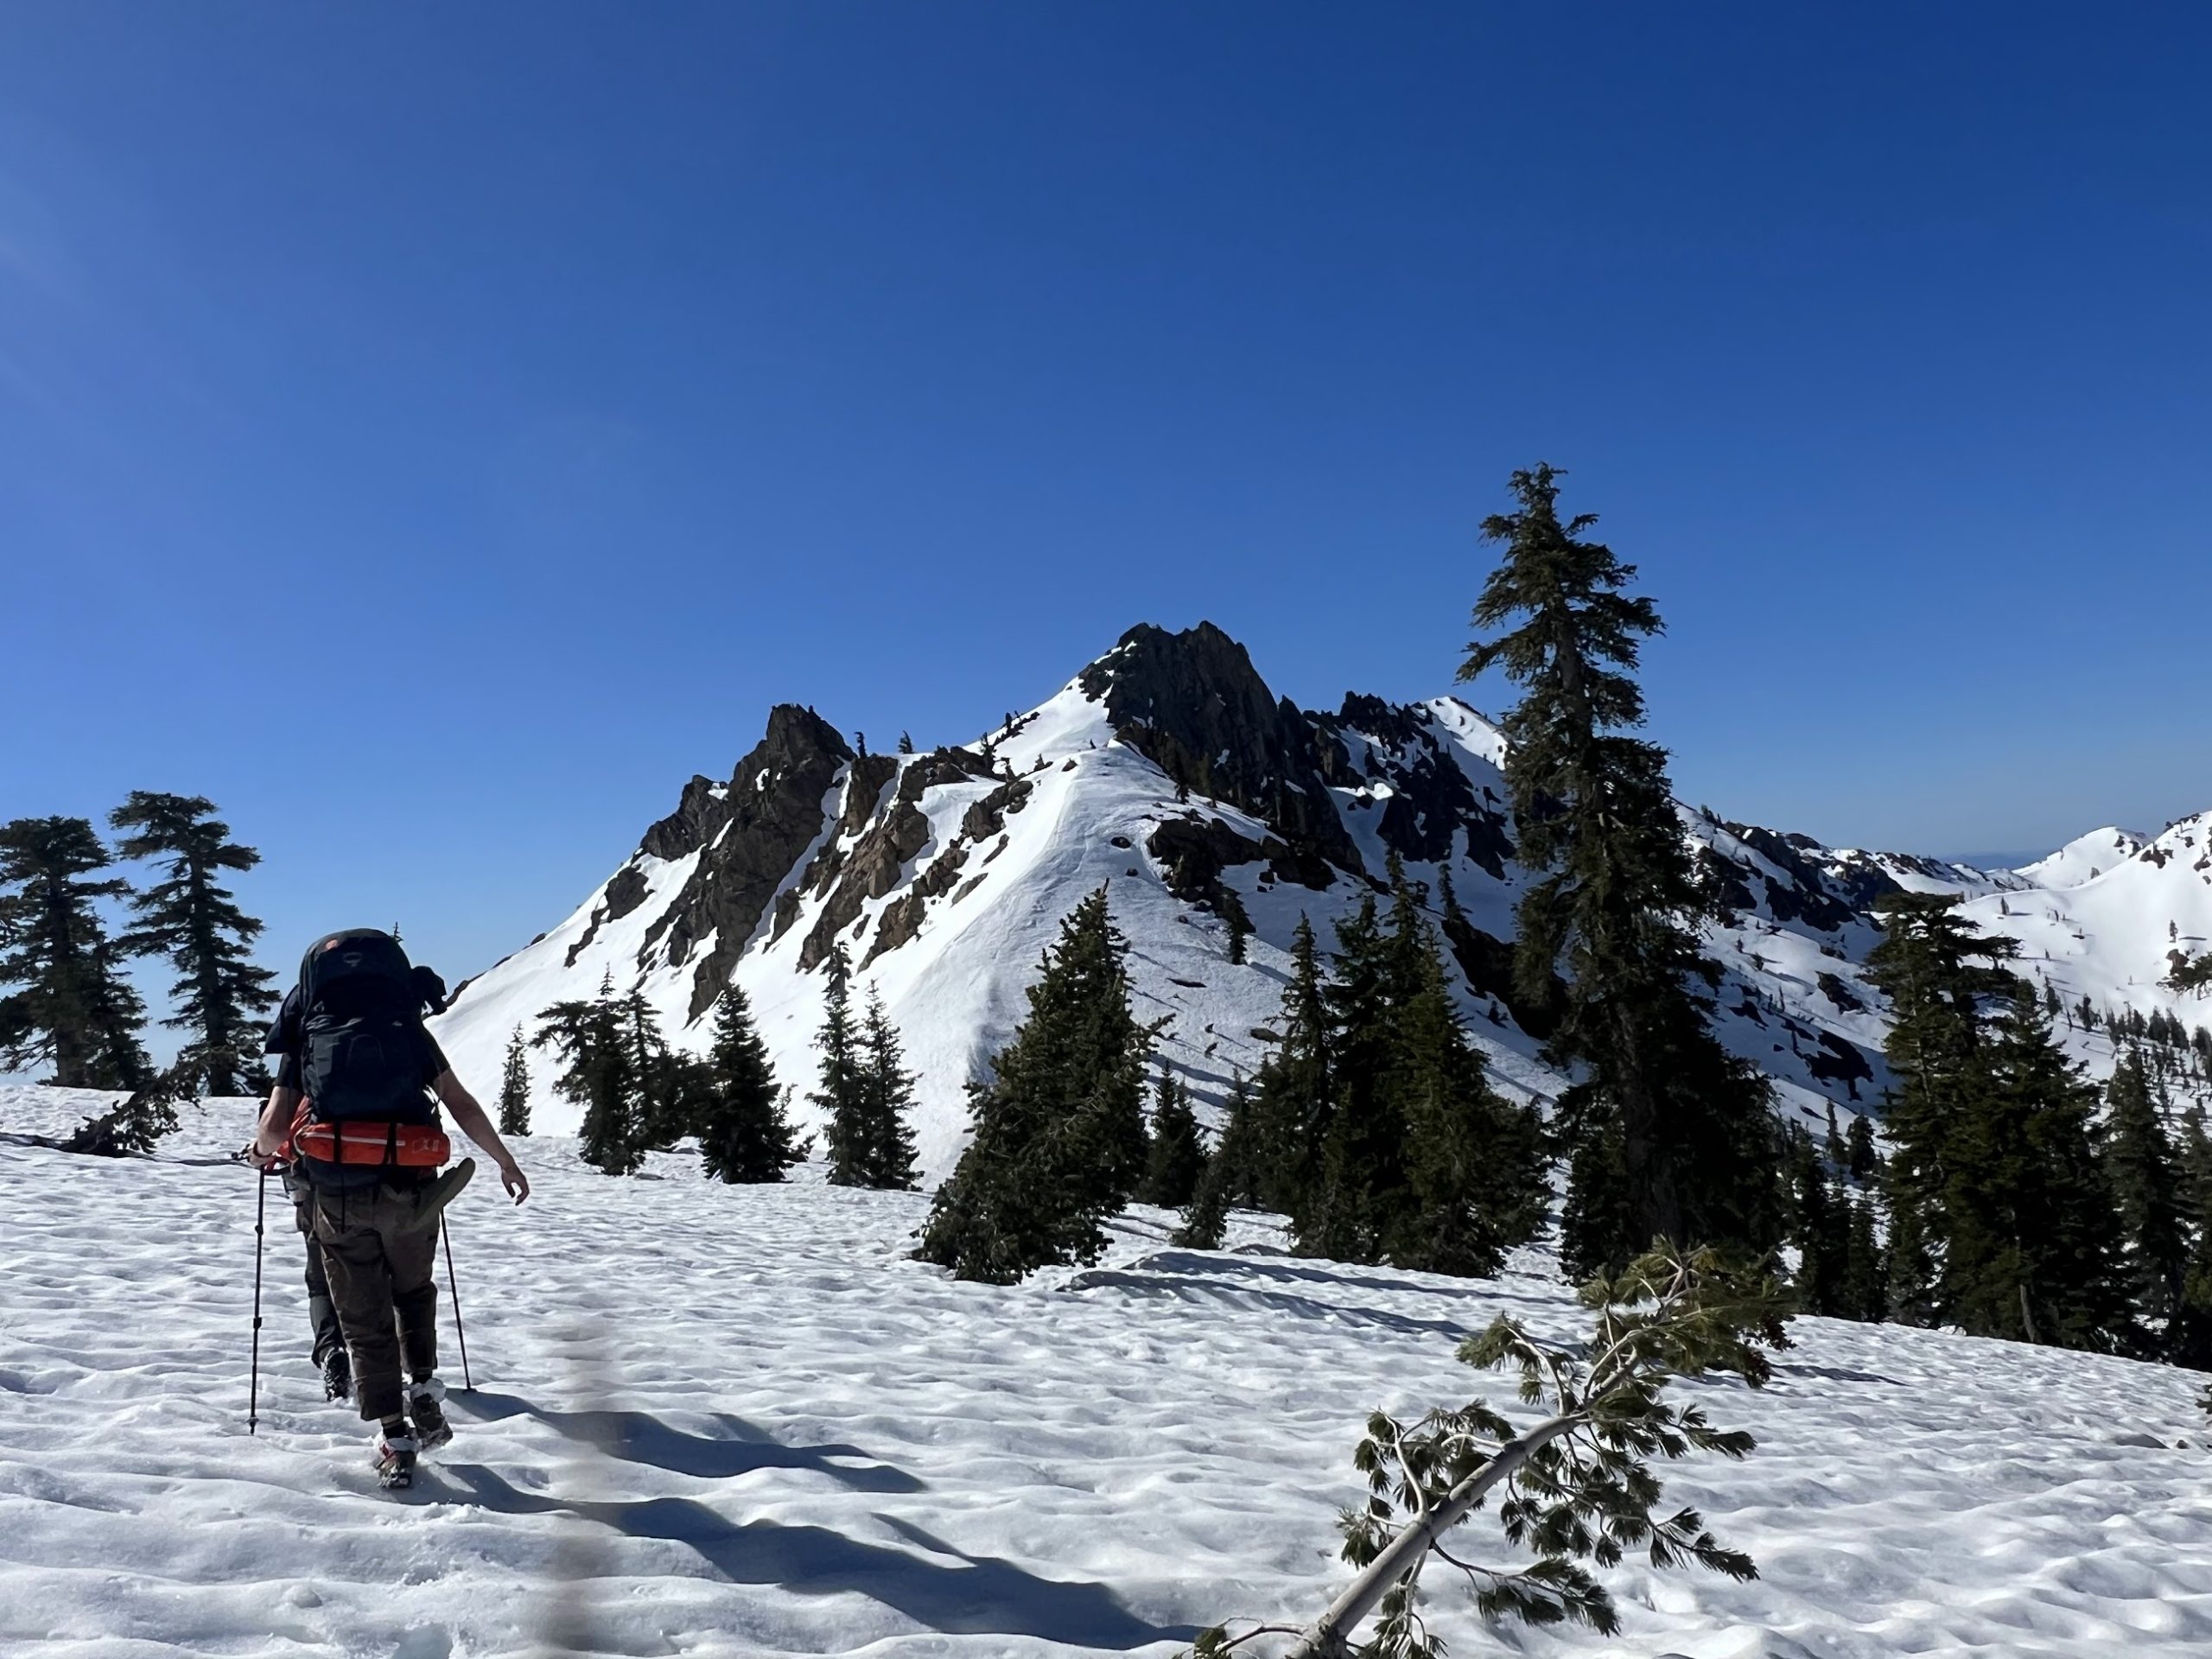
x: 638, y: 1437
x: 959, y: 1595
x: 1209, y: 1291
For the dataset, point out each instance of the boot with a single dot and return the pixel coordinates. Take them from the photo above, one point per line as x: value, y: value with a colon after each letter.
x: 426, y: 1410
x: 337, y: 1374
x: 395, y: 1460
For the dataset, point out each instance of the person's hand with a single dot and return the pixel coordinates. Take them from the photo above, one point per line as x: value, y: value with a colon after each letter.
x: 514, y: 1180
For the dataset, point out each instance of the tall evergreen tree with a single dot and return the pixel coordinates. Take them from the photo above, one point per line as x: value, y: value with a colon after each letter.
x: 2146, y: 1185
x: 222, y: 997
x: 2189, y: 1341
x: 843, y: 1094
x: 1672, y: 1137
x: 1293, y: 1108
x: 1474, y: 1163
x: 594, y: 1042
x: 1059, y: 1125
x: 1362, y: 1179
x: 2031, y: 1235
x: 72, y: 1007
x: 514, y: 1087
x: 888, y: 1092
x: 744, y: 1134
x: 1177, y: 1158
x: 1937, y: 970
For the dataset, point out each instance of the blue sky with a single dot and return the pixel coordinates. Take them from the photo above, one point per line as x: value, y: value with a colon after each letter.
x: 436, y: 432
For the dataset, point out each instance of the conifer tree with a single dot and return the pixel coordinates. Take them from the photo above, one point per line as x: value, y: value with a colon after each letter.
x: 1475, y: 1164
x: 2146, y: 1186
x: 514, y: 1088
x: 1204, y: 1222
x: 2032, y: 1237
x: 1176, y: 1159
x: 191, y: 918
x: 2189, y: 1340
x: 667, y: 1086
x: 1239, y: 922
x: 1863, y: 1292
x: 1060, y: 1124
x: 1671, y: 1137
x: 1362, y: 1164
x: 888, y: 1092
x: 1860, y: 1157
x: 843, y: 1095
x: 1823, y: 1230
x: 595, y: 1044
x: 72, y: 1007
x: 744, y: 1134
x: 1293, y: 1109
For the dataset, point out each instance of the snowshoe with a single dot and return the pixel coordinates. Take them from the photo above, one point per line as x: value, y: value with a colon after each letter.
x: 395, y: 1462
x: 337, y: 1376
x: 426, y: 1411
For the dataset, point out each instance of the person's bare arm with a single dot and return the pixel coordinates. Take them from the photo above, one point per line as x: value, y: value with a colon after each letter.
x: 478, y: 1127
x: 276, y: 1122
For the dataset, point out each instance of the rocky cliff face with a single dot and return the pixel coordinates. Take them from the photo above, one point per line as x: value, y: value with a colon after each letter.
x: 1169, y: 773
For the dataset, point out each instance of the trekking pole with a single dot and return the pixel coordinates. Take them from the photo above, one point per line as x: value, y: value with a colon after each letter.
x: 453, y: 1284
x: 253, y: 1387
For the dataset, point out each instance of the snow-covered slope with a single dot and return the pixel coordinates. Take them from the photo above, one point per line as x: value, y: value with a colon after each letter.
x: 1168, y: 774
x: 2084, y: 858
x: 721, y: 1421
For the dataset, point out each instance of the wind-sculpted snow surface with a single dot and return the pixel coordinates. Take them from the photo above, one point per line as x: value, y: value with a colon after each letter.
x: 721, y: 1421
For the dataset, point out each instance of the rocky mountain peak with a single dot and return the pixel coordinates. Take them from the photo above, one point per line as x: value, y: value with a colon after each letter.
x: 1193, y: 705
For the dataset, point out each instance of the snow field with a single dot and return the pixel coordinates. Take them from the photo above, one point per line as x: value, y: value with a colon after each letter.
x: 737, y: 1421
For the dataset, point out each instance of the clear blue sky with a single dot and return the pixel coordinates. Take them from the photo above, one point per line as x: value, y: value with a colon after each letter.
x: 434, y: 432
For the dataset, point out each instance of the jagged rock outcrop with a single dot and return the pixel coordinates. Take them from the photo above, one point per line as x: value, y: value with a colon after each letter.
x: 1193, y: 705
x: 748, y: 833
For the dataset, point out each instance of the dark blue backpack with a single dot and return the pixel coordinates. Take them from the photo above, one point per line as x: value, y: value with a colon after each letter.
x: 364, y: 1054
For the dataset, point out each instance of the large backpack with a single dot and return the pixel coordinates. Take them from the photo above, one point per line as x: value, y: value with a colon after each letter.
x: 363, y: 1051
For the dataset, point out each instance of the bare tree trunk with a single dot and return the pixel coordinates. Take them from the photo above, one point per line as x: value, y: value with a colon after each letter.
x: 1329, y: 1636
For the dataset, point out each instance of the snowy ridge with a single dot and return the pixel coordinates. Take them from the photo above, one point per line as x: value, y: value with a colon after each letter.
x: 721, y: 1421
x: 1168, y: 774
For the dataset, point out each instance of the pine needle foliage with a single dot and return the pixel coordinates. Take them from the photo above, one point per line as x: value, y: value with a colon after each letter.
x: 188, y: 917
x: 843, y: 1094
x: 70, y: 1007
x: 593, y: 1042
x: 1576, y: 1486
x: 514, y: 1086
x: 886, y: 1134
x: 1059, y: 1140
x: 745, y: 1136
x: 1176, y: 1158
x: 1670, y: 1135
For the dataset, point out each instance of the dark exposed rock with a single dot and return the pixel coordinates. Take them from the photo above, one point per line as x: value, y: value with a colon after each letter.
x: 1805, y: 896
x: 1488, y: 963
x: 1192, y: 851
x: 902, y: 917
x: 940, y: 767
x: 871, y: 871
x: 1193, y: 705
x: 987, y: 817
x: 1839, y: 993
x: 752, y: 831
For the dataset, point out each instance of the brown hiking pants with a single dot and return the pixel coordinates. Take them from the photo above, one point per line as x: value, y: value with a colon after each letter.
x: 379, y: 1246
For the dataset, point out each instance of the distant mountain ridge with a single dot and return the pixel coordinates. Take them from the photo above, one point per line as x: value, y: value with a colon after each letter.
x: 1167, y: 772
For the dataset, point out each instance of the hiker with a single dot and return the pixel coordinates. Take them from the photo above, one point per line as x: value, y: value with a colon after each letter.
x: 330, y: 1356
x: 352, y: 1108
